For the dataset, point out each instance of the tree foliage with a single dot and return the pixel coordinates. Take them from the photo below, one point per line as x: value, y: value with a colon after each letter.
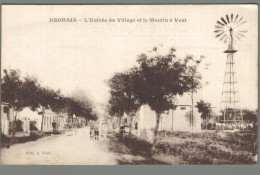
x: 205, y: 109
x: 164, y: 77
x: 124, y: 97
x: 250, y: 116
x: 11, y: 85
x: 23, y: 92
x: 156, y: 81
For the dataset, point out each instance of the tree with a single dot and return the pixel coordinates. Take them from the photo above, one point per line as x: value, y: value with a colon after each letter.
x: 162, y: 78
x: 123, y: 94
x: 48, y: 99
x: 84, y: 104
x: 18, y: 92
x: 80, y: 96
x: 115, y: 107
x: 30, y: 93
x: 250, y: 116
x: 11, y: 86
x: 205, y: 109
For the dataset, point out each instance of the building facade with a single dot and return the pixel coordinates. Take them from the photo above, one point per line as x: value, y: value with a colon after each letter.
x: 7, y: 116
x: 34, y: 121
x: 182, y: 118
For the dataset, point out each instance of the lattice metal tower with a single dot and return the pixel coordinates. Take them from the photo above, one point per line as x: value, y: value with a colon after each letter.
x: 229, y: 30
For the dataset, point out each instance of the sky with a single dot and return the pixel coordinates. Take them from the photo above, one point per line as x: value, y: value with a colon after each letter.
x: 85, y: 55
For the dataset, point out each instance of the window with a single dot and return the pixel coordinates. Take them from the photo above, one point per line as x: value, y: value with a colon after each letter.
x: 183, y: 108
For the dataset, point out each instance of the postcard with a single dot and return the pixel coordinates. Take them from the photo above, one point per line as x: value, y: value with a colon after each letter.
x: 129, y: 84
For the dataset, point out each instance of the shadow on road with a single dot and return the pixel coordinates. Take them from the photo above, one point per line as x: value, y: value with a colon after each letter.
x: 128, y: 154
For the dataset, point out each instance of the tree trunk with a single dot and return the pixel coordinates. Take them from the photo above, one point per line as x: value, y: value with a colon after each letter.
x: 130, y: 126
x: 14, y: 124
x: 206, y: 124
x: 119, y: 121
x: 156, y: 130
x: 43, y: 112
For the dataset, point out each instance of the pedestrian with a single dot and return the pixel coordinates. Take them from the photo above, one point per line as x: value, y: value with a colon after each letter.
x: 92, y: 131
x: 54, y: 125
x: 121, y: 131
x: 96, y: 131
x: 75, y: 126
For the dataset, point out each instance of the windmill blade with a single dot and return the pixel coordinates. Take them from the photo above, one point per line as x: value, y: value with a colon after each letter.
x: 217, y: 31
x: 232, y: 17
x: 238, y: 38
x: 225, y: 41
x: 223, y: 37
x: 222, y: 19
x: 242, y: 23
x: 218, y: 35
x: 239, y: 20
x: 227, y: 18
x: 236, y: 18
x: 241, y: 35
x: 218, y: 27
x: 243, y: 31
x: 220, y: 23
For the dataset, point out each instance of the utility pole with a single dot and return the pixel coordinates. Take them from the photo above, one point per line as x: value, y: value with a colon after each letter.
x: 43, y: 112
x: 192, y: 91
x: 192, y: 103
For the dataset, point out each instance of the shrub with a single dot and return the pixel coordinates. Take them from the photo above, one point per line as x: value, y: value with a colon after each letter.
x: 200, y: 148
x: 208, y: 148
x: 138, y: 145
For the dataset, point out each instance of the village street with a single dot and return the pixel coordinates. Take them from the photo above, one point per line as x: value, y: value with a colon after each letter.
x: 69, y: 148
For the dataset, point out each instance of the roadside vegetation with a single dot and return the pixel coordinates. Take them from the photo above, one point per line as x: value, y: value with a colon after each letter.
x: 195, y: 148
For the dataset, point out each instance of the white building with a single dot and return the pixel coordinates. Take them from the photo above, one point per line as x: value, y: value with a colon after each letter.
x: 27, y: 115
x: 179, y: 119
x: 7, y: 116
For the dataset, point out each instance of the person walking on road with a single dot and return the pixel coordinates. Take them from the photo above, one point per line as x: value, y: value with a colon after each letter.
x: 54, y: 125
x: 96, y: 131
x: 75, y: 122
x: 121, y: 131
x: 92, y: 130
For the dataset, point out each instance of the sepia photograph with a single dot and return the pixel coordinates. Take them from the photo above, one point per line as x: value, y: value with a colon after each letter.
x: 129, y: 85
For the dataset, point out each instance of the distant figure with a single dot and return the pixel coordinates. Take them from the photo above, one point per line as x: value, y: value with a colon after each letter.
x: 92, y: 130
x: 54, y: 125
x: 96, y: 131
x: 121, y: 131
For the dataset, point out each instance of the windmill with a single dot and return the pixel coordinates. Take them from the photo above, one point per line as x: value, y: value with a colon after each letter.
x: 229, y: 29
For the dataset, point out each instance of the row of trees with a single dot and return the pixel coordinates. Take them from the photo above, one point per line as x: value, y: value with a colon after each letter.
x: 156, y: 81
x: 21, y: 92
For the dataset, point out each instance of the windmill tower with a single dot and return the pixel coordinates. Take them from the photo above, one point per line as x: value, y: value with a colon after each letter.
x: 229, y: 31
